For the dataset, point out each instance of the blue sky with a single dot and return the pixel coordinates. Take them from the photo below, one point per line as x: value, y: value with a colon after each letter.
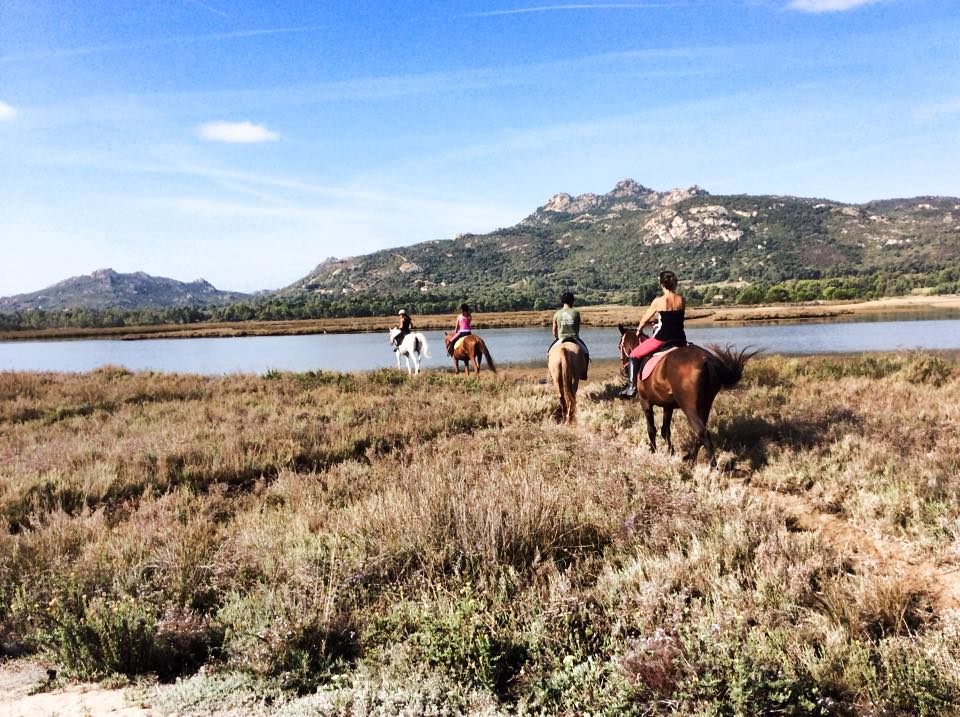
x: 245, y: 142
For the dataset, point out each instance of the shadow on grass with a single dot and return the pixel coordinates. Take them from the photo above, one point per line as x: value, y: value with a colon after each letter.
x: 752, y: 438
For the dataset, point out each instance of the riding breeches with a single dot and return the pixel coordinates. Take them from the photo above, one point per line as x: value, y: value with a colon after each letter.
x: 646, y: 347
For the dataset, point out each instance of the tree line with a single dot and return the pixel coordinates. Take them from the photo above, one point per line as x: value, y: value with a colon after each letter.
x: 534, y: 295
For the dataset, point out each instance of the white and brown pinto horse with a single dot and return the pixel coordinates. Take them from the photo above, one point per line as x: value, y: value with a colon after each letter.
x: 412, y: 346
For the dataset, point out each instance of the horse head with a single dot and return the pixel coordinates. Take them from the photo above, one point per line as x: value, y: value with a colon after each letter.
x: 628, y: 341
x: 394, y: 332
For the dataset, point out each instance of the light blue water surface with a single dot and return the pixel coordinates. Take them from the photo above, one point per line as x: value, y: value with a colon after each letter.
x: 359, y: 352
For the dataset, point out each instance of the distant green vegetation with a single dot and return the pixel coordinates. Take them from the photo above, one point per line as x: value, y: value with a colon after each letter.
x: 533, y: 296
x: 873, y: 286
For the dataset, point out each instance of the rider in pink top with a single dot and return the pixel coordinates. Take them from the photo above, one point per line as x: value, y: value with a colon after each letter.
x: 462, y: 327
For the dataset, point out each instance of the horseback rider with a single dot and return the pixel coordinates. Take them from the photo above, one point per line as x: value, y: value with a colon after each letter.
x: 566, y: 327
x: 405, y: 327
x: 668, y: 309
x: 461, y: 328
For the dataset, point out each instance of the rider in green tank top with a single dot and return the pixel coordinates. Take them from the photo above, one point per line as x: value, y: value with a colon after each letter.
x: 566, y: 326
x: 567, y: 321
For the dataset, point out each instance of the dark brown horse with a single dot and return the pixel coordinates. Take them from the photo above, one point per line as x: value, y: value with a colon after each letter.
x: 689, y: 379
x: 471, y: 350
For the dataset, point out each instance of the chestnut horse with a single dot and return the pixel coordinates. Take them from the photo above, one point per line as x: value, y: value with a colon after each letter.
x: 471, y: 350
x: 688, y: 378
x: 567, y: 364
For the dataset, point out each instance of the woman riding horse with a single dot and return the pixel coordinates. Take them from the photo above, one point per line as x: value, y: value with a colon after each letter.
x: 566, y: 327
x: 669, y: 310
x: 462, y: 327
x: 405, y: 327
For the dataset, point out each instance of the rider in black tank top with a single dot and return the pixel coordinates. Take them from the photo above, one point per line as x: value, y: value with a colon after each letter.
x: 669, y: 327
x: 669, y: 330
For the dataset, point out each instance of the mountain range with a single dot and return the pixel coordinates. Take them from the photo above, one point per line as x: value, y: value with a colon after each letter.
x: 606, y: 243
x: 108, y: 289
x: 612, y: 241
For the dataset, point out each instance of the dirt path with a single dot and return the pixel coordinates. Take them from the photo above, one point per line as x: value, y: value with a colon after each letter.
x: 19, y: 678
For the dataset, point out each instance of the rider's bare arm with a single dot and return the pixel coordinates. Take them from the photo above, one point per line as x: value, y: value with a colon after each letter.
x: 650, y: 313
x: 554, y: 328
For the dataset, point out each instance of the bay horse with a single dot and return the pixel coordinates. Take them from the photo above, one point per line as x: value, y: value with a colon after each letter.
x: 567, y: 364
x: 471, y: 350
x: 688, y: 378
x: 411, y: 347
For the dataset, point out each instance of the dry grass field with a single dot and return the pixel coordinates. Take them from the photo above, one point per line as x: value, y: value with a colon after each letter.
x: 330, y: 544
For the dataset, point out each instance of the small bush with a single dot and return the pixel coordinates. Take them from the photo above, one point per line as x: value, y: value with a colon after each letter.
x: 924, y: 368
x: 289, y: 634
x: 471, y: 641
x: 913, y: 682
x: 98, y: 637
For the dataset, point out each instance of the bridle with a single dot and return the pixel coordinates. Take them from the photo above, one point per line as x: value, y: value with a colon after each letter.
x: 624, y: 354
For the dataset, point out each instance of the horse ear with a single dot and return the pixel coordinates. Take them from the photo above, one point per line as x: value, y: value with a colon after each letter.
x: 622, y: 330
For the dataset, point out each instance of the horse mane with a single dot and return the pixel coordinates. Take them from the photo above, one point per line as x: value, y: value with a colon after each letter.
x: 729, y: 362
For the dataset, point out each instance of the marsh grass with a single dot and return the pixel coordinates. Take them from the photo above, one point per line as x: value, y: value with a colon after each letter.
x: 320, y: 555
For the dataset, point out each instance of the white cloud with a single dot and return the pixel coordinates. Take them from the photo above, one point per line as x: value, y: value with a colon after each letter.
x: 827, y: 5
x: 236, y: 132
x: 6, y: 111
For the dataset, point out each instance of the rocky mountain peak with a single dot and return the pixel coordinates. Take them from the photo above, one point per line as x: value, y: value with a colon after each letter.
x: 563, y: 203
x: 628, y: 188
x: 627, y: 196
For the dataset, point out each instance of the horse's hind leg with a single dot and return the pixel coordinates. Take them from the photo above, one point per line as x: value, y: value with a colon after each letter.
x: 572, y: 402
x: 476, y: 364
x: 665, y: 429
x: 702, y: 436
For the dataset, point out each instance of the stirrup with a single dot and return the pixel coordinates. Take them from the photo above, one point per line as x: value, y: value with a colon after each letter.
x: 628, y: 391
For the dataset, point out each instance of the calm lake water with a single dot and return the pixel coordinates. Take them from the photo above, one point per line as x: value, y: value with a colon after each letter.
x: 358, y: 352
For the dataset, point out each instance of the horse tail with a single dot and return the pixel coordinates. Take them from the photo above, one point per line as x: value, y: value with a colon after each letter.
x: 423, y: 343
x: 727, y: 364
x: 486, y: 355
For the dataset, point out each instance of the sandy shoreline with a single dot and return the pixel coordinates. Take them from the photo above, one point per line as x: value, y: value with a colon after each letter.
x: 598, y: 316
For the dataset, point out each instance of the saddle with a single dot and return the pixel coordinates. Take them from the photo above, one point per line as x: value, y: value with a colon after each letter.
x: 650, y: 361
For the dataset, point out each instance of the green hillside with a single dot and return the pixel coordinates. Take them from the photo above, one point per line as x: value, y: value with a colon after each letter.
x: 614, y: 242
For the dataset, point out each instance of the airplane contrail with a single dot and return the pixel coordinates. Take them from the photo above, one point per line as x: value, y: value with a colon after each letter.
x: 157, y: 42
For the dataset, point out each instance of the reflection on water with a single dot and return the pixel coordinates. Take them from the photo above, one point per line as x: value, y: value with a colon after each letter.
x: 358, y: 352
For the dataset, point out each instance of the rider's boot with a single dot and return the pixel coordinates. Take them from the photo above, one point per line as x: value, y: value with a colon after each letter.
x: 633, y: 370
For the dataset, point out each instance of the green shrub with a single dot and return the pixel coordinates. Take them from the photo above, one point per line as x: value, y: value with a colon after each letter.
x: 288, y: 634
x: 97, y: 637
x: 743, y: 671
x: 594, y: 686
x: 913, y: 682
x: 927, y: 369
x: 472, y: 641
